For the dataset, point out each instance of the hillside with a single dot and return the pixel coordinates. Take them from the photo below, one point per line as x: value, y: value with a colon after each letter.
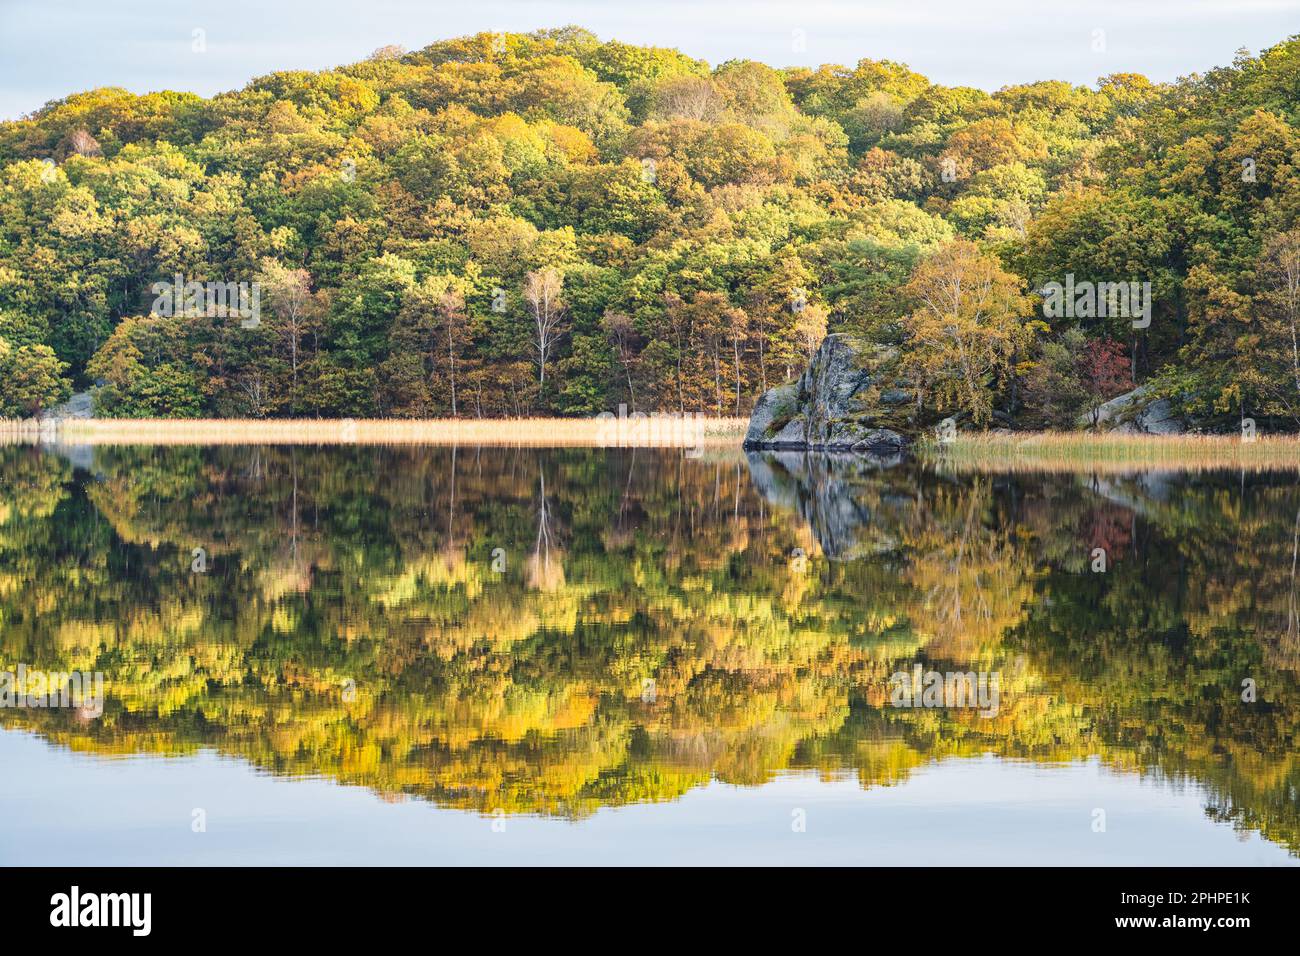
x: 550, y: 224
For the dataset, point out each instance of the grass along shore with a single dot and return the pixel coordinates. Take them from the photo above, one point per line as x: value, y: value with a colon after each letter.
x: 970, y: 451
x: 1109, y: 452
x: 657, y: 431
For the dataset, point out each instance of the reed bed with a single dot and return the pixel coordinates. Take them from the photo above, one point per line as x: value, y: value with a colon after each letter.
x: 23, y: 430
x: 983, y: 451
x: 664, y: 431
x: 1111, y: 453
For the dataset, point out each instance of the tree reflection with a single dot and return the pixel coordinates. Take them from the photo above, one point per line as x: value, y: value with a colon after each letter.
x: 521, y: 686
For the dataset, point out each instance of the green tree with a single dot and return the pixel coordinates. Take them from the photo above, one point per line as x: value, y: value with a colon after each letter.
x: 31, y: 380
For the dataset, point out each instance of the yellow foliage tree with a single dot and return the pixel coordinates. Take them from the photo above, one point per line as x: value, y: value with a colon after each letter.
x: 965, y: 330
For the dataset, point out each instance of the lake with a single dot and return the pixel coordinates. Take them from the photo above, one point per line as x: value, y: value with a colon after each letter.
x: 424, y: 655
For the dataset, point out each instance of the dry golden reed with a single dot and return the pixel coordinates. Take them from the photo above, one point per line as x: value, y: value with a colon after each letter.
x: 980, y: 451
x: 657, y: 431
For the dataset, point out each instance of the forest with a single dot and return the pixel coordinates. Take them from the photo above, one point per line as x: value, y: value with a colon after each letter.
x: 548, y: 224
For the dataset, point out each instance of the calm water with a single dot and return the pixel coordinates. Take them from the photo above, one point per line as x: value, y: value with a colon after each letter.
x: 494, y: 655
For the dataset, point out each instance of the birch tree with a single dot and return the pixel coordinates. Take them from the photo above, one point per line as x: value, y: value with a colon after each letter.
x: 1281, y: 267
x: 622, y: 335
x: 451, y: 312
x: 542, y: 292
x: 296, y: 310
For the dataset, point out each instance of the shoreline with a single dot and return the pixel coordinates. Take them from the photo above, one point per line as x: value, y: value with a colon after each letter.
x: 983, y: 451
x: 650, y: 431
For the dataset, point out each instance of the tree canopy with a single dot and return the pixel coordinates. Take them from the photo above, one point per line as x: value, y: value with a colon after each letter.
x: 402, y: 214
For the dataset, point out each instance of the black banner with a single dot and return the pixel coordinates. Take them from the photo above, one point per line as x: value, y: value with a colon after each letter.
x: 334, y: 905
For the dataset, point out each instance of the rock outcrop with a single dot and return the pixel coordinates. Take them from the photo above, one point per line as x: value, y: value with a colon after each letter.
x: 834, y: 405
x: 78, y: 406
x: 1137, y: 413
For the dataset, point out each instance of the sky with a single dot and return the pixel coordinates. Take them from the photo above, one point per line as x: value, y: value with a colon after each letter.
x: 50, y: 48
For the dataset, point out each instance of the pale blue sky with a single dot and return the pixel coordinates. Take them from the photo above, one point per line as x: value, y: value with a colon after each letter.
x: 49, y: 48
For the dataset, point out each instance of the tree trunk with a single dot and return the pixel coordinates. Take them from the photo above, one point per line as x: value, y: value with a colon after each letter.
x: 735, y: 350
x: 451, y: 360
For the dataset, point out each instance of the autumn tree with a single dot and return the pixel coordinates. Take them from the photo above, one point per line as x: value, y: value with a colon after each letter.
x: 810, y: 328
x: 1104, y: 371
x: 737, y: 330
x: 702, y: 329
x: 687, y: 97
x: 964, y: 331
x: 710, y: 314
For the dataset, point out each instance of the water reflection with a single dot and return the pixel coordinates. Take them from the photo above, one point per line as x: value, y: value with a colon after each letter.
x: 554, y: 631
